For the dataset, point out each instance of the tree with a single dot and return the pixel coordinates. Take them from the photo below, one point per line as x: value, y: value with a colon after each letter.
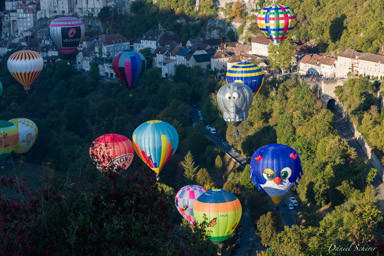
x: 204, y: 179
x: 148, y: 56
x: 218, y: 163
x: 189, y: 167
x: 281, y: 57
x: 94, y: 72
x: 246, y: 183
x: 267, y: 228
x: 237, y: 9
x: 231, y: 187
x: 207, y: 7
x: 104, y: 15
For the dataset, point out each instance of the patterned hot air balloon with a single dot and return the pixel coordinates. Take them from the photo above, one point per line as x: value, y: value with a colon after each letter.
x: 128, y: 66
x: 25, y: 66
x: 275, y: 168
x: 9, y: 136
x: 27, y: 134
x: 112, y: 152
x: 67, y: 33
x: 275, y: 21
x: 185, y: 200
x: 155, y: 143
x: 248, y: 73
x: 235, y: 99
x: 222, y: 210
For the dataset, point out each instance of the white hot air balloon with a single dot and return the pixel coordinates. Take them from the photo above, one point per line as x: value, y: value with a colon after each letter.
x: 27, y: 134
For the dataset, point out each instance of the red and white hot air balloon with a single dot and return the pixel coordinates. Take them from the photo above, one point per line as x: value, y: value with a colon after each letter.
x: 112, y: 152
x: 25, y: 66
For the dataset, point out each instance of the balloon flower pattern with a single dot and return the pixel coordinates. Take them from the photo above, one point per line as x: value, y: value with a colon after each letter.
x: 185, y: 200
x: 25, y: 66
x: 248, y: 73
x: 221, y: 210
x: 9, y: 136
x: 275, y: 21
x: 27, y: 134
x: 155, y: 143
x: 112, y: 152
x: 275, y: 168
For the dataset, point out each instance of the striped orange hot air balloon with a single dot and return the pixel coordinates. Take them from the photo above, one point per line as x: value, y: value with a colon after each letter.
x: 25, y: 66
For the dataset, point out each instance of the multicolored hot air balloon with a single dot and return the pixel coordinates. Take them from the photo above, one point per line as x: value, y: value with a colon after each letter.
x: 25, y: 66
x: 185, y: 200
x: 27, y: 134
x: 1, y: 89
x: 248, y: 73
x: 112, y: 152
x: 275, y: 168
x: 128, y: 66
x: 155, y: 143
x: 235, y: 99
x: 9, y: 136
x: 221, y: 210
x: 275, y: 21
x: 67, y: 33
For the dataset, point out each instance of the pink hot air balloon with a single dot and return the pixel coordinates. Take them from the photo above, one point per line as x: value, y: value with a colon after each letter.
x: 185, y: 200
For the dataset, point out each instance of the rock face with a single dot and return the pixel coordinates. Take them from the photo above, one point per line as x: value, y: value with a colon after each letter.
x: 217, y: 29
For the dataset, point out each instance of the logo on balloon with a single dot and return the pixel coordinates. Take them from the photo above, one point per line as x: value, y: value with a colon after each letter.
x: 72, y: 32
x: 120, y: 163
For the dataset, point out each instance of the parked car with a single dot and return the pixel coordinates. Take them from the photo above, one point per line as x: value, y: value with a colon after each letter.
x: 213, y: 130
x: 290, y: 207
x: 294, y: 201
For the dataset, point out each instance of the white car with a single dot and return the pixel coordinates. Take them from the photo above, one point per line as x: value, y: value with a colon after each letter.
x: 294, y: 201
x: 213, y: 130
x: 290, y: 207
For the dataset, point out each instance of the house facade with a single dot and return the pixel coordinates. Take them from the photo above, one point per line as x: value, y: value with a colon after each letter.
x: 314, y: 64
x: 260, y: 45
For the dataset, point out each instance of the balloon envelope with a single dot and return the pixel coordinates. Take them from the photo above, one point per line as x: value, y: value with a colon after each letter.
x: 27, y: 134
x: 67, y: 33
x: 235, y: 99
x: 185, y: 200
x: 9, y: 136
x: 275, y: 21
x: 25, y: 66
x: 222, y: 210
x: 128, y: 66
x: 112, y: 152
x: 155, y: 143
x: 248, y: 73
x: 1, y: 89
x: 275, y: 167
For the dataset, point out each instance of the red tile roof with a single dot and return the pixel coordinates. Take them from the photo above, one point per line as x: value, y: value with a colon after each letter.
x: 260, y: 39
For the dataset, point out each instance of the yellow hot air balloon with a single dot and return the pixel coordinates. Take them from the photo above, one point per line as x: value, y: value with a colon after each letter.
x: 27, y: 134
x: 25, y: 66
x: 8, y: 138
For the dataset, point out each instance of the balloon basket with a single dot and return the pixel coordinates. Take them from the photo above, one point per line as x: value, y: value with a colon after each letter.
x: 277, y: 208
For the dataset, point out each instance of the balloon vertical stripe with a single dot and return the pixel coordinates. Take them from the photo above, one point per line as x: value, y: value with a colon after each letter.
x: 128, y: 67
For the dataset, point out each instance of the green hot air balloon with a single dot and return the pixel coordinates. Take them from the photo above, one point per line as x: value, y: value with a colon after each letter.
x: 221, y: 210
x: 9, y: 137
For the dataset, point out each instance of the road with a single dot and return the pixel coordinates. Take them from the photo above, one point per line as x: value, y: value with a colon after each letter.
x: 346, y: 133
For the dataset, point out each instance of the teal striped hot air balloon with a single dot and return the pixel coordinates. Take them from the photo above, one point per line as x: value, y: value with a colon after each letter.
x: 248, y: 73
x: 155, y: 143
x: 1, y: 89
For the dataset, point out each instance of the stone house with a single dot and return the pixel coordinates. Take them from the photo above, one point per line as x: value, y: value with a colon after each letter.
x: 317, y: 65
x: 260, y: 45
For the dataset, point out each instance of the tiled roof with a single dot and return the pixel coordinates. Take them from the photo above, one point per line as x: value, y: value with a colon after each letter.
x: 372, y: 57
x: 165, y: 62
x: 350, y: 54
x: 317, y: 60
x: 202, y: 57
x: 260, y: 39
x: 221, y: 54
x: 111, y: 39
x: 183, y: 52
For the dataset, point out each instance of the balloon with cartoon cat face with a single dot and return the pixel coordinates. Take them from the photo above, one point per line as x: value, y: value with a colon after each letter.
x: 275, y: 168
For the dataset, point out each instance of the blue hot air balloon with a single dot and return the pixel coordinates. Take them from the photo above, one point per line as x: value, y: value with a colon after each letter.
x: 128, y: 66
x: 275, y: 168
x: 155, y: 143
x: 248, y: 73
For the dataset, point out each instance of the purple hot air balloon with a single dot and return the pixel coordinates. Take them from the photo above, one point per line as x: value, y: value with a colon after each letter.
x: 128, y: 66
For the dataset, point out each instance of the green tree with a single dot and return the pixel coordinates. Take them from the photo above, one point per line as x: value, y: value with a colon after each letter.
x: 104, y: 15
x: 207, y: 7
x: 94, y: 72
x: 204, y: 179
x: 148, y: 56
x: 281, y: 57
x: 237, y: 9
x: 246, y: 183
x: 218, y: 164
x: 189, y: 167
x: 267, y: 228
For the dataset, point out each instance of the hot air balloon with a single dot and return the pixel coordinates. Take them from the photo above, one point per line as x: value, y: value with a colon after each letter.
x: 67, y: 33
x: 221, y: 210
x: 247, y: 73
x: 1, y: 89
x: 155, y: 143
x: 234, y: 100
x: 185, y: 200
x: 128, y: 66
x: 112, y: 152
x: 9, y: 136
x: 275, y: 21
x: 27, y: 134
x: 25, y: 66
x: 275, y: 168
